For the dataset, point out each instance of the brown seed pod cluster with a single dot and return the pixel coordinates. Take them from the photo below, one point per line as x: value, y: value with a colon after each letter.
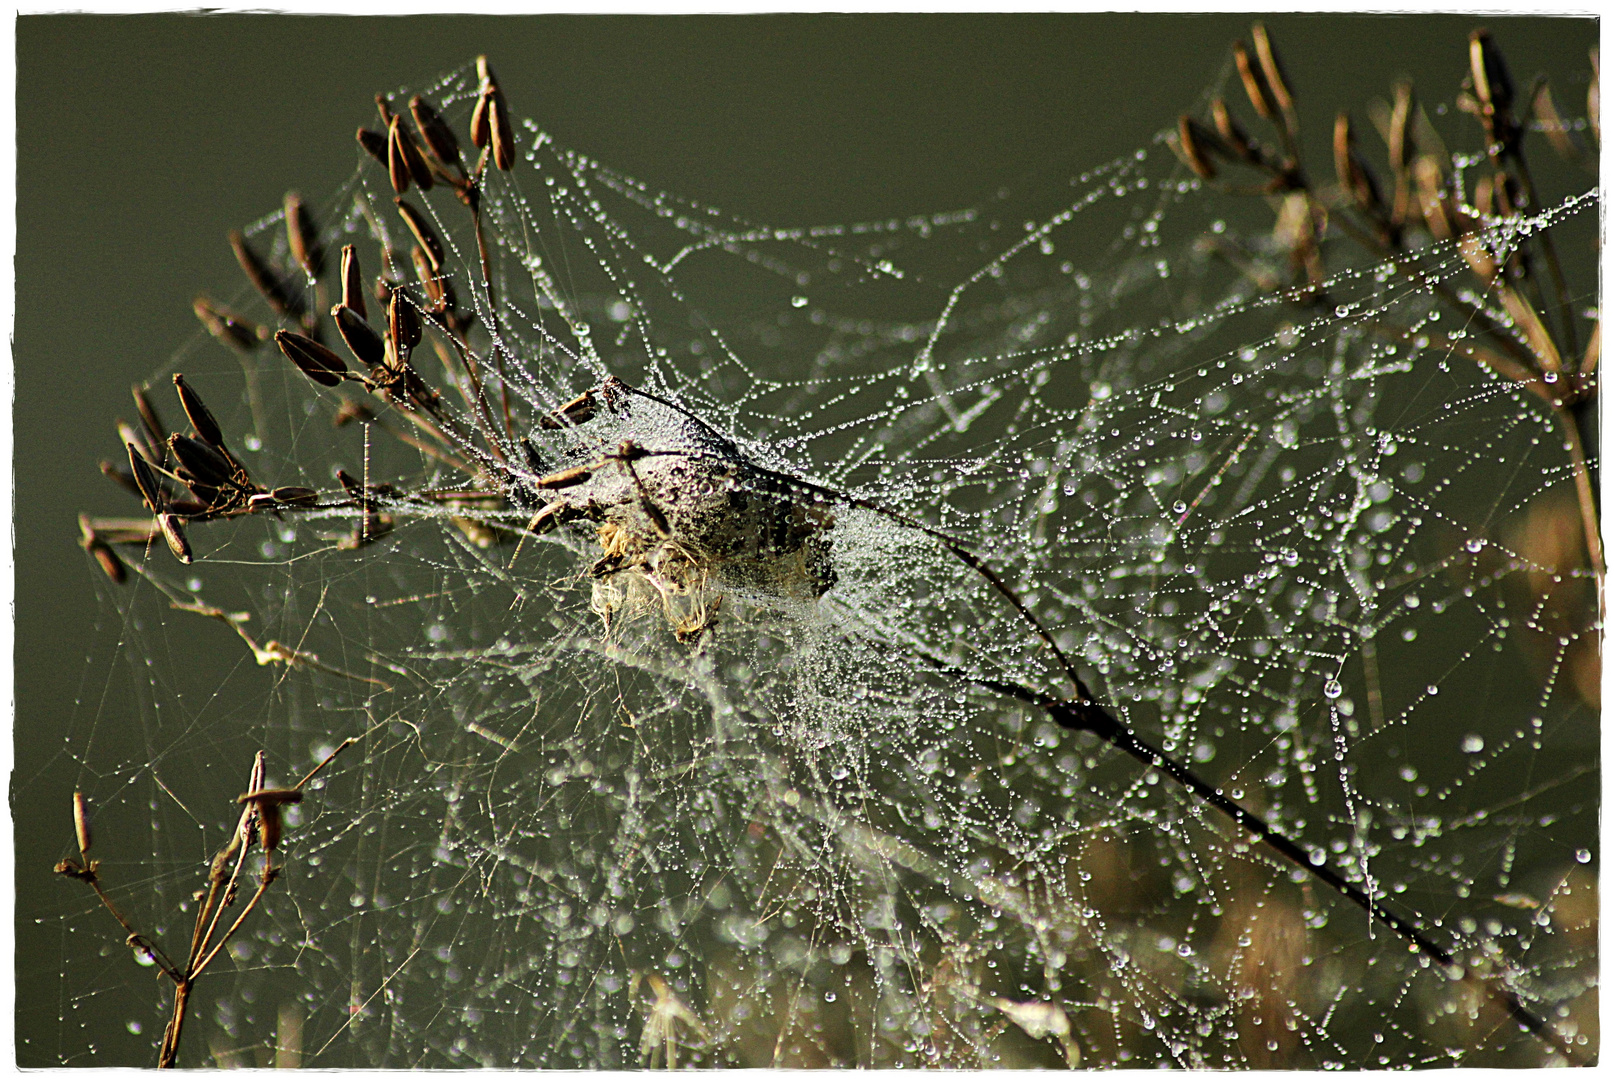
x: 662, y: 542
x: 1416, y: 201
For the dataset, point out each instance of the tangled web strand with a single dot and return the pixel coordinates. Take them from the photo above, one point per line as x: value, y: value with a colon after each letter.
x: 673, y: 584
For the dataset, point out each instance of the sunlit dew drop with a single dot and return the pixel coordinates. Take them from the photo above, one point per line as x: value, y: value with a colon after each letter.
x: 436, y: 633
x: 134, y: 1027
x: 1332, y: 689
x: 1475, y: 544
x: 1582, y: 855
x: 1473, y: 744
x: 252, y: 442
x: 1431, y: 689
x: 798, y: 301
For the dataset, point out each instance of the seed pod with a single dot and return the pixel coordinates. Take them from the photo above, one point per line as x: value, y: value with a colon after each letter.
x: 504, y: 139
x: 1271, y: 69
x: 169, y: 524
x: 272, y: 796
x: 361, y: 338
x: 268, y: 826
x: 353, y: 281
x: 266, y: 281
x: 120, y: 476
x: 1254, y: 85
x: 425, y: 235
x: 111, y: 565
x: 227, y: 326
x: 81, y: 822
x: 579, y: 410
x: 1190, y: 146
x: 1232, y: 133
x: 1594, y: 100
x: 437, y: 136
x: 202, y: 422
x: 479, y: 118
x: 1492, y: 85
x: 565, y: 478
x: 156, y: 434
x: 205, y: 464
x: 546, y: 519
x: 353, y: 486
x: 1354, y: 179
x: 145, y: 478
x: 1551, y: 123
x: 374, y: 143
x: 295, y: 496
x: 1402, y: 146
x: 301, y: 236
x: 490, y: 121
x: 128, y: 435
x: 312, y: 359
x: 404, y: 162
x: 398, y: 171
x: 1432, y: 199
x: 403, y: 326
x: 430, y: 282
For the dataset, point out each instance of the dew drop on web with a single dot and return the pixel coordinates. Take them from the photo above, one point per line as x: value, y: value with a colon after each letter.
x: 741, y: 720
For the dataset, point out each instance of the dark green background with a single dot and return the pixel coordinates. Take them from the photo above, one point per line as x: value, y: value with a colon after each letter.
x: 142, y: 140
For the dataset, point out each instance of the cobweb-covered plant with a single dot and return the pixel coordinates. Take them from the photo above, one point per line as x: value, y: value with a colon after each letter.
x: 735, y: 674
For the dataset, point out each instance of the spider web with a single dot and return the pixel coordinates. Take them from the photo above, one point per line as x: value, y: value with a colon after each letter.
x: 1309, y: 551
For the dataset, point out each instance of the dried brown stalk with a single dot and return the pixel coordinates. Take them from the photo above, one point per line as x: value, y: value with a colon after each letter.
x: 259, y: 823
x: 1536, y: 353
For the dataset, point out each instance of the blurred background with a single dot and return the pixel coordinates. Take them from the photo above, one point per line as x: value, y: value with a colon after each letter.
x: 142, y: 140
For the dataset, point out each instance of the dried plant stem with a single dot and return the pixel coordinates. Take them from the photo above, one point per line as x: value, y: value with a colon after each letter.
x: 1084, y: 713
x: 270, y: 872
x: 213, y: 910
x: 135, y: 936
x: 169, y: 1051
x: 1088, y: 715
x: 219, y: 895
x: 1566, y: 317
x: 474, y: 201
